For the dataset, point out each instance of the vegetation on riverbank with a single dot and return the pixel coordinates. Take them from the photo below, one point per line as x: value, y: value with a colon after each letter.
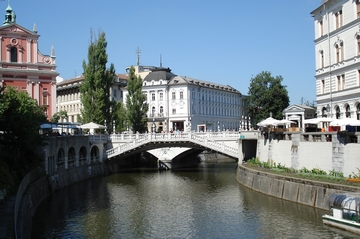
x: 304, y: 173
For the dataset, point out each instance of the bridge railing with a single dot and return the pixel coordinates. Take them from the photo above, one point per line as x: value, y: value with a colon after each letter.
x: 210, y: 135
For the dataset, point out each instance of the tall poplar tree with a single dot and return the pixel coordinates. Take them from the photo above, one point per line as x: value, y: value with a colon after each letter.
x: 136, y: 105
x: 95, y: 89
x: 266, y: 95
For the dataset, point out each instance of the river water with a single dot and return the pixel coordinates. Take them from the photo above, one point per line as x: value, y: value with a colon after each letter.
x: 206, y: 202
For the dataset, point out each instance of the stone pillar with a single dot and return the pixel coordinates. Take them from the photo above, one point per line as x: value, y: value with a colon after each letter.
x: 241, y: 154
x: 338, y: 152
x: 295, y: 138
x: 28, y: 48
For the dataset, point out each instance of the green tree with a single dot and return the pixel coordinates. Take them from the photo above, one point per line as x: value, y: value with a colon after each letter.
x: 136, y: 105
x: 62, y: 114
x: 20, y: 141
x: 266, y: 95
x: 120, y: 117
x: 98, y: 80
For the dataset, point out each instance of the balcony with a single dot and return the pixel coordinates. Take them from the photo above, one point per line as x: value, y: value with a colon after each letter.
x: 157, y: 115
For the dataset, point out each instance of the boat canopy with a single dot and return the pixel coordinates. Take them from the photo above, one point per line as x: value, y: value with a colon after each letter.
x: 345, y: 201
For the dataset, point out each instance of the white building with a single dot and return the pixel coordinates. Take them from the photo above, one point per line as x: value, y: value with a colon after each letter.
x: 337, y: 54
x: 183, y: 103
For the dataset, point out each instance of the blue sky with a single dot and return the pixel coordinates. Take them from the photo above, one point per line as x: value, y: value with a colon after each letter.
x: 226, y: 42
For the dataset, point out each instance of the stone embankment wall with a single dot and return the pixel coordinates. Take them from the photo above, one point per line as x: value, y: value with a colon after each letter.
x: 45, y: 186
x: 301, y: 191
x: 332, y: 155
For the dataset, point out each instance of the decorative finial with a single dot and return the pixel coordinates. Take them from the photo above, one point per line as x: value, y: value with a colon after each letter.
x: 160, y: 61
x: 52, y: 51
x: 138, y: 52
x: 35, y: 28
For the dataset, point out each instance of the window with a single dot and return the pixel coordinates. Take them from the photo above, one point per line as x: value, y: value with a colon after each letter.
x: 153, y: 111
x: 173, y: 96
x: 358, y: 45
x: 173, y: 111
x: 341, y: 82
x: 358, y: 9
x: 322, y: 86
x: 338, y: 19
x: 161, y: 96
x: 45, y: 98
x: 181, y: 95
x: 339, y: 51
x: 322, y: 59
x: 347, y: 111
x: 337, y: 110
x: 114, y: 93
x: 23, y: 88
x: 161, y: 109
x: 13, y: 53
x: 321, y: 25
x: 152, y: 96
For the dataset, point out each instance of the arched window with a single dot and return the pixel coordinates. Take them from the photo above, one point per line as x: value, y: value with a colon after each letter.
x: 337, y: 112
x: 358, y: 111
x: 13, y: 53
x: 347, y: 111
x: 161, y: 109
x: 153, y: 110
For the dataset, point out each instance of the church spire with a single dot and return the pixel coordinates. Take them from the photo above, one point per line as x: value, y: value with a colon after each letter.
x: 10, y: 16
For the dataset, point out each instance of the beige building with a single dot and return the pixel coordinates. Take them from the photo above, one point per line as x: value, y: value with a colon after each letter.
x: 337, y: 54
x: 68, y: 95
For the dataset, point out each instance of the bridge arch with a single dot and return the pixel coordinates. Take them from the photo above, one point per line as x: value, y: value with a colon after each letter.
x: 82, y: 155
x: 94, y: 154
x: 60, y: 161
x: 71, y: 157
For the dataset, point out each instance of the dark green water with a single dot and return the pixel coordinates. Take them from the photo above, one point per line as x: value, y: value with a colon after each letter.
x: 206, y: 202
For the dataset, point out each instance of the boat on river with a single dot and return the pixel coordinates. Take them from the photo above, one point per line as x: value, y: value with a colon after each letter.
x: 345, y: 209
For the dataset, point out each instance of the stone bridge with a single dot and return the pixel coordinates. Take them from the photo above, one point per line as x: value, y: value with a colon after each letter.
x: 225, y: 143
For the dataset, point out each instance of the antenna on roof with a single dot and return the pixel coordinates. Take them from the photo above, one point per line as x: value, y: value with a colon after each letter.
x: 160, y: 61
x: 138, y: 52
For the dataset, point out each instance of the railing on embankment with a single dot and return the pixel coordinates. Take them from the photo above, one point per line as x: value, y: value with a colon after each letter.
x: 307, y: 192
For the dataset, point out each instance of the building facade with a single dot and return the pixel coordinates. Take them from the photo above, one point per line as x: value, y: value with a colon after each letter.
x: 337, y: 54
x: 23, y: 66
x: 68, y: 96
x: 179, y: 103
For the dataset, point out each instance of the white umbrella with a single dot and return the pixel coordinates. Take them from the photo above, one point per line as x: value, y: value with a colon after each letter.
x: 318, y: 120
x: 345, y: 121
x: 283, y: 122
x: 267, y: 121
x: 92, y: 125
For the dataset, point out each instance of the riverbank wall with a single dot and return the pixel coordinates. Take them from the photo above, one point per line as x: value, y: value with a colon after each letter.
x: 307, y: 192
x: 43, y: 187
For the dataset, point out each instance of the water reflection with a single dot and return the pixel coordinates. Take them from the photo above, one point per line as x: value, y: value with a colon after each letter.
x: 202, y: 203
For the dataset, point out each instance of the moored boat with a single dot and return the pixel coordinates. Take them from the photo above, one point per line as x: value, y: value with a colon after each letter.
x: 345, y: 209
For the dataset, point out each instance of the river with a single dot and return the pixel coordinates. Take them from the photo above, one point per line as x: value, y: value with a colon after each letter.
x: 206, y: 202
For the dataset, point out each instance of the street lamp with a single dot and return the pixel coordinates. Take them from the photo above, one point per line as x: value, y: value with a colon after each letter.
x: 153, y: 125
x: 190, y: 123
